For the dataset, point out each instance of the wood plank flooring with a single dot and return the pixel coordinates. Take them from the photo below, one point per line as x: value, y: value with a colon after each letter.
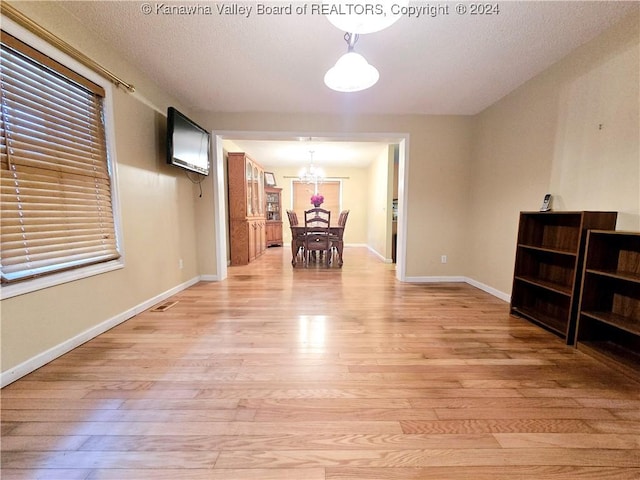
x: 323, y: 374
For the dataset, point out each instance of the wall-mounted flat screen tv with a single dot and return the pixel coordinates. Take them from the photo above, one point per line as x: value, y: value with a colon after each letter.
x: 188, y: 144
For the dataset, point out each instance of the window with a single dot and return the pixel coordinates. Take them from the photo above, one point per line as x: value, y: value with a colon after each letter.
x: 330, y: 190
x: 57, y: 209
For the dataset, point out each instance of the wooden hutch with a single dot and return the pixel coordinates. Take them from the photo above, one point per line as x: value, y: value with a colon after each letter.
x: 247, y: 220
x: 274, y: 216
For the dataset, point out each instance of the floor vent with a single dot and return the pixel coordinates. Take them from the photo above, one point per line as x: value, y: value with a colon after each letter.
x: 163, y: 307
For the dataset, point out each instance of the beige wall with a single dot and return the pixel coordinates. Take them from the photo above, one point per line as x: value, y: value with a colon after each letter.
x: 379, y: 204
x: 439, y: 154
x: 545, y: 137
x: 596, y: 157
x: 467, y: 178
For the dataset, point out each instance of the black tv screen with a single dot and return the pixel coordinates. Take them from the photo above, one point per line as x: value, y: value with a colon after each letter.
x: 188, y: 144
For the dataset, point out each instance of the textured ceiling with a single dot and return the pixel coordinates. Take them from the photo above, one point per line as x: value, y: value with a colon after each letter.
x: 443, y: 64
x: 447, y: 64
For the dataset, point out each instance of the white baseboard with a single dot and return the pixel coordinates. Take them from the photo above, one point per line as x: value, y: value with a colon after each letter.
x: 164, y: 295
x: 376, y: 253
x: 438, y: 279
x: 209, y: 278
x: 28, y: 366
x: 474, y: 283
x: 490, y: 290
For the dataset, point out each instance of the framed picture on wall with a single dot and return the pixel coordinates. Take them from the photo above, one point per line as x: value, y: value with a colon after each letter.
x: 269, y: 179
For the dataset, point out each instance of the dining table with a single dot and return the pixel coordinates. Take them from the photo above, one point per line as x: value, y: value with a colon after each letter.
x: 297, y: 240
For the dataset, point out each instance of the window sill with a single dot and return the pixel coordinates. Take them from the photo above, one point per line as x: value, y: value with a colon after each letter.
x: 28, y: 286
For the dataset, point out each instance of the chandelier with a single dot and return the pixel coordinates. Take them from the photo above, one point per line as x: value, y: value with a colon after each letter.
x: 311, y: 174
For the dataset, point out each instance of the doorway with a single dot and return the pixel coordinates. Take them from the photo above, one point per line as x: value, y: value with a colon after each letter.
x: 219, y: 187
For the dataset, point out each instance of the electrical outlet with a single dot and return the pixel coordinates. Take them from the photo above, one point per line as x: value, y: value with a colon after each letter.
x: 443, y: 259
x: 180, y: 264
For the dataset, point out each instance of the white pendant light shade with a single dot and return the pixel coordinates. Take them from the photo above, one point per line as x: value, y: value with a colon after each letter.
x: 363, y: 17
x: 351, y: 73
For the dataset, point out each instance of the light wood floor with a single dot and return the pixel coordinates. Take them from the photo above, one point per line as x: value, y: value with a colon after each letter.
x: 323, y: 374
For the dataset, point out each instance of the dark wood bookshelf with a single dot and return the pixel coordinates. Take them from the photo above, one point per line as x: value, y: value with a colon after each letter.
x: 608, y: 324
x: 548, y: 267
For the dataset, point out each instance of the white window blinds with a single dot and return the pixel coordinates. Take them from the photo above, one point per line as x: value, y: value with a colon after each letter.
x: 330, y: 190
x: 56, y: 211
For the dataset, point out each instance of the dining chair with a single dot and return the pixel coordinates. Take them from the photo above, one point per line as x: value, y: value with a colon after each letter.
x: 293, y: 218
x: 337, y: 242
x: 297, y: 238
x: 317, y: 234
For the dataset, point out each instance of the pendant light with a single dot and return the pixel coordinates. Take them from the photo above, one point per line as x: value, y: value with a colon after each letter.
x: 364, y: 17
x: 352, y: 72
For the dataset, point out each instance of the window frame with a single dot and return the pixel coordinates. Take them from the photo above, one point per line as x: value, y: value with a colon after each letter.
x: 50, y: 280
